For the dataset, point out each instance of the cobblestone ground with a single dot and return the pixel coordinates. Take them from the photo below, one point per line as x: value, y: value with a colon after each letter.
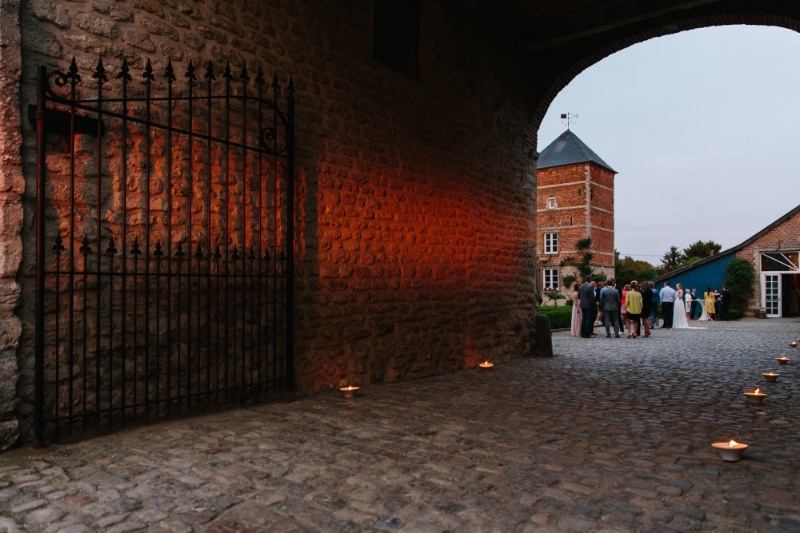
x: 609, y: 435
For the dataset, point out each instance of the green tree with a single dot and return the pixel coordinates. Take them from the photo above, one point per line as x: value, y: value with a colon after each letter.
x: 686, y: 261
x: 671, y: 259
x: 556, y: 296
x: 701, y: 250
x: 740, y: 277
x: 628, y: 269
x: 582, y: 265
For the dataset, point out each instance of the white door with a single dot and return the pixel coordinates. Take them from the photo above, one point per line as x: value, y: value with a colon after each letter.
x: 771, y: 289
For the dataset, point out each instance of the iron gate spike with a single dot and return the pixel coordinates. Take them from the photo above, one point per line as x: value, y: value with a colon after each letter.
x: 100, y: 72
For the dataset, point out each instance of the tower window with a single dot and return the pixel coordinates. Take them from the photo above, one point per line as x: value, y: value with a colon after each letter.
x: 570, y: 221
x: 551, y: 243
x: 396, y: 33
x: 551, y: 279
x: 551, y: 203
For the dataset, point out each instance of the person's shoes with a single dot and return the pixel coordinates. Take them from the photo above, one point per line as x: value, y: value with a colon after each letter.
x: 608, y: 336
x: 646, y: 335
x: 616, y: 336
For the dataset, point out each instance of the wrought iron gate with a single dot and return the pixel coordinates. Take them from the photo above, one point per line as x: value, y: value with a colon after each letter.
x: 164, y: 227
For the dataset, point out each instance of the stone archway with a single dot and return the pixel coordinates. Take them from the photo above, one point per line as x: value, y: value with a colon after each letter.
x: 558, y: 65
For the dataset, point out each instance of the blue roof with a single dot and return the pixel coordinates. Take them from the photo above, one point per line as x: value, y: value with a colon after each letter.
x: 568, y: 149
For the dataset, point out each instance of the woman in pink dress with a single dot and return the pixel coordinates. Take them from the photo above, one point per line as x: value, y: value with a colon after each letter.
x: 576, y: 312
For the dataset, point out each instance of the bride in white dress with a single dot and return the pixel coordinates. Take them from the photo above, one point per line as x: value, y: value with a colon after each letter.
x: 679, y: 310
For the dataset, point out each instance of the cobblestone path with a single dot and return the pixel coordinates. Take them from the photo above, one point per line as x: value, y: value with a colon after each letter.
x: 610, y: 435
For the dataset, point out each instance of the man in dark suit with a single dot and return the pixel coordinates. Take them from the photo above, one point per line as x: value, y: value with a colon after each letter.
x: 693, y: 309
x: 610, y: 304
x: 586, y: 299
x: 599, y: 313
x: 725, y: 302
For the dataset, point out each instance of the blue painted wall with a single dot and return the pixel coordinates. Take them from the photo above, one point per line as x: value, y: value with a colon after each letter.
x: 711, y: 274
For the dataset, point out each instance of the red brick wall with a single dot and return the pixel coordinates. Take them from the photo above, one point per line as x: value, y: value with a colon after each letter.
x: 582, y: 194
x: 785, y: 237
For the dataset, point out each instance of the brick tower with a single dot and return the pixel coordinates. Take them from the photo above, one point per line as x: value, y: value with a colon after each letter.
x: 575, y: 200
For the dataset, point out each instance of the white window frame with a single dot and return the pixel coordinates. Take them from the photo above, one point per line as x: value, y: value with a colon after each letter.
x: 550, y: 275
x: 551, y: 203
x: 551, y: 243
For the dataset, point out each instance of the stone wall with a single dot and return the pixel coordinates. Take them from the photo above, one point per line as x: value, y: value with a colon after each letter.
x: 12, y: 187
x: 415, y: 247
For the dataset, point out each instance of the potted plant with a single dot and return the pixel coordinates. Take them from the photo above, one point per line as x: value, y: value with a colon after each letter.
x: 762, y: 313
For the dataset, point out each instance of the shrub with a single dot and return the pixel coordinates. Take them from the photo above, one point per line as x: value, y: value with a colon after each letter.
x: 734, y: 314
x: 739, y: 278
x: 560, y: 317
x: 555, y: 297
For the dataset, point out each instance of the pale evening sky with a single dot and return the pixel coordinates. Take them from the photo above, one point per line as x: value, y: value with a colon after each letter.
x: 703, y: 127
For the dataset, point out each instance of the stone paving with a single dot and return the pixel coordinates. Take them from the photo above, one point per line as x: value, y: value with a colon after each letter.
x: 611, y: 435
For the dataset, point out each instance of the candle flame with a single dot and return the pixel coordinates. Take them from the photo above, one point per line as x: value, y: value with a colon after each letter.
x: 757, y: 390
x: 733, y: 443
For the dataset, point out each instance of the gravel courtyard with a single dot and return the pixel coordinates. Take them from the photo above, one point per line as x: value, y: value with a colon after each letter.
x: 611, y: 435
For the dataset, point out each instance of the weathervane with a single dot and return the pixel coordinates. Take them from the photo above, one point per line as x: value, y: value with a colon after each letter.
x: 568, y: 119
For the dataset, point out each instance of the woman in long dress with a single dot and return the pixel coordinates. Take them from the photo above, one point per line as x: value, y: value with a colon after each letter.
x: 688, y: 297
x: 576, y: 312
x: 709, y: 298
x: 679, y: 311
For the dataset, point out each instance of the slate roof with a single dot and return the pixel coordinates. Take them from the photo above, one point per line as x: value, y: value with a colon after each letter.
x: 568, y: 149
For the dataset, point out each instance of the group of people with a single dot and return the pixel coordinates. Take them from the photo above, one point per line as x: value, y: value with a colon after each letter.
x: 634, y: 306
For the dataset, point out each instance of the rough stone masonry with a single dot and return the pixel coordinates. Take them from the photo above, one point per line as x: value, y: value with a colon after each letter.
x: 415, y: 248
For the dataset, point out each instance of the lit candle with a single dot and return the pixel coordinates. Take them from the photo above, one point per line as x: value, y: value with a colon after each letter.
x: 772, y: 377
x: 486, y: 365
x: 782, y: 359
x: 755, y: 397
x: 349, y: 391
x: 793, y: 344
x: 730, y: 451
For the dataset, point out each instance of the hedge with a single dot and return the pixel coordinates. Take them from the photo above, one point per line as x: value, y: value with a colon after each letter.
x: 560, y: 317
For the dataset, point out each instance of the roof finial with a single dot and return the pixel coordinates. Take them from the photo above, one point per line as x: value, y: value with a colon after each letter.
x: 568, y: 119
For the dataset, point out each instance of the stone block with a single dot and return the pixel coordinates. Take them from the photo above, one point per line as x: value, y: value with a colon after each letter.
x: 157, y: 27
x: 113, y: 11
x: 542, y: 342
x: 97, y: 25
x: 50, y: 12
x: 138, y: 39
x: 45, y: 43
x: 9, y: 433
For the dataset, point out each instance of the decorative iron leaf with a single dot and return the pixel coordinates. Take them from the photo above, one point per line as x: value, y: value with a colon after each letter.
x: 190, y: 72
x: 135, y: 251
x: 72, y: 72
x: 158, y: 252
x: 235, y: 256
x: 198, y: 253
x: 124, y: 72
x: 100, y: 72
x: 169, y: 72
x: 147, y: 75
x: 179, y: 251
x: 209, y: 75
x: 217, y: 253
x: 244, y: 77
x: 58, y: 247
x: 260, y: 76
x: 112, y: 248
x: 85, y: 247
